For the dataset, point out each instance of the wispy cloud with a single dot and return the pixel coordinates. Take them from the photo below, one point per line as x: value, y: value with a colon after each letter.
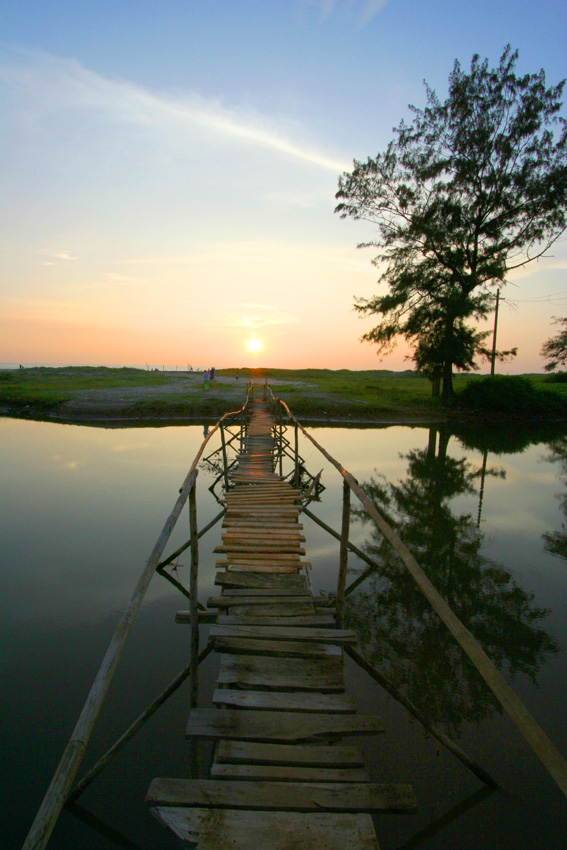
x: 257, y: 316
x: 362, y: 10
x: 52, y: 257
x: 59, y: 84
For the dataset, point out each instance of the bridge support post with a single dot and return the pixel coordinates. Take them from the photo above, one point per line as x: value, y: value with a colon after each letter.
x: 343, y: 556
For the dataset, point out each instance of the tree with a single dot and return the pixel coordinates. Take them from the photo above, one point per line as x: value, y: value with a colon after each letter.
x: 555, y: 349
x: 473, y: 188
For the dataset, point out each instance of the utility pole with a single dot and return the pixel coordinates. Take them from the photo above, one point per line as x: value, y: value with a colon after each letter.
x: 494, y: 335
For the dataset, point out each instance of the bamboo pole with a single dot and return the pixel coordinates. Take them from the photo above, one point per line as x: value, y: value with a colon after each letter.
x: 343, y: 557
x: 533, y: 734
x: 431, y: 727
x: 136, y: 725
x: 62, y: 780
x: 193, y: 601
x: 58, y: 790
x: 224, y: 461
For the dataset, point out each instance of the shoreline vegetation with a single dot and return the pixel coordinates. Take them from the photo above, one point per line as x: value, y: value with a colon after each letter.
x: 128, y: 396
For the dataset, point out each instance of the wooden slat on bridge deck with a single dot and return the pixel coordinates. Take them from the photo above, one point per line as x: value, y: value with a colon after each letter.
x: 281, y: 709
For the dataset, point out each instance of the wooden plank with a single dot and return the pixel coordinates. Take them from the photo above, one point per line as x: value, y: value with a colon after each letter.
x: 311, y: 703
x: 359, y: 797
x: 264, y: 598
x: 251, y: 548
x: 247, y: 557
x: 318, y: 755
x: 259, y: 525
x: 338, y: 636
x: 308, y: 620
x: 305, y: 674
x: 284, y: 773
x: 263, y: 582
x: 286, y: 531
x: 261, y: 568
x: 282, y: 609
x: 219, y: 829
x: 277, y: 648
x: 276, y: 728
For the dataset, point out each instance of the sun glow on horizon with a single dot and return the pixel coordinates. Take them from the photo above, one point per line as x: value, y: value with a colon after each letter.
x: 254, y: 345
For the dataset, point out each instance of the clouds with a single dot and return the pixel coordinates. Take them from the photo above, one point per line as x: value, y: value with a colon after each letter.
x: 51, y: 89
x: 259, y: 316
x: 363, y: 11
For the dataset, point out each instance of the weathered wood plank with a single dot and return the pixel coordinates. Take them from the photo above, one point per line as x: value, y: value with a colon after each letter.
x: 277, y: 569
x: 252, y: 617
x: 261, y: 525
x: 310, y: 703
x: 318, y: 755
x: 277, y: 648
x: 218, y: 829
x: 286, y: 583
x: 251, y: 548
x: 338, y: 636
x: 265, y: 598
x: 359, y: 797
x: 305, y: 674
x: 282, y: 610
x: 285, y: 773
x: 276, y: 728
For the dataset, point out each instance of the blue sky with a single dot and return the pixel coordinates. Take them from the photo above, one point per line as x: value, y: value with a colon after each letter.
x: 169, y: 170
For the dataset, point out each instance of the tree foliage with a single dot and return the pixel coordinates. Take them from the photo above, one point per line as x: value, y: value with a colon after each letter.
x: 472, y: 188
x: 555, y: 349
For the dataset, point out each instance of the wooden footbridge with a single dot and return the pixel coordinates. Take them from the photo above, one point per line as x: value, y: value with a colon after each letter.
x: 280, y: 705
x: 284, y: 772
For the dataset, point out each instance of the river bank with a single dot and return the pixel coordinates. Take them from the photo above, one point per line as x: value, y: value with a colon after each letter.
x: 118, y: 397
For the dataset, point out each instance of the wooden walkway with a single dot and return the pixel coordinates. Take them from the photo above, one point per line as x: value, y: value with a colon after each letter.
x: 281, y: 777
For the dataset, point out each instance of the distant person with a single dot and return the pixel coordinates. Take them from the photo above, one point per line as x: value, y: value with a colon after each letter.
x: 206, y: 378
x: 212, y: 373
x: 236, y: 376
x: 205, y: 431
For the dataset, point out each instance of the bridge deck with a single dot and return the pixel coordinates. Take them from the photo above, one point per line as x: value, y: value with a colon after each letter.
x: 281, y: 776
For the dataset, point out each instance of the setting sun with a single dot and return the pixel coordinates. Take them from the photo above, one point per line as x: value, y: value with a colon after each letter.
x: 254, y: 345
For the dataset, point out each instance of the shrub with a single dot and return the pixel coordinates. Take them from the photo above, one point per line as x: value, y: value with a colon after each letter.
x: 557, y: 378
x: 510, y: 394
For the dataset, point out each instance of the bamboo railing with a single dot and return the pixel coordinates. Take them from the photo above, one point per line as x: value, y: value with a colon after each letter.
x: 542, y: 746
x: 60, y: 788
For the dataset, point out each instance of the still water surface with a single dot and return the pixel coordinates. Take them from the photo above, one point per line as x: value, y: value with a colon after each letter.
x: 484, y: 514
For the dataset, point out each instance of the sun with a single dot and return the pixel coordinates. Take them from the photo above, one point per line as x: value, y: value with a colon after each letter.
x: 254, y: 345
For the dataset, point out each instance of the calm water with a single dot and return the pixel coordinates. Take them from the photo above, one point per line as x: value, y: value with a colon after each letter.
x: 485, y: 516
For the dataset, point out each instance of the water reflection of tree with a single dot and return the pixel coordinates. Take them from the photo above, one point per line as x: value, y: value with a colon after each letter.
x: 555, y: 542
x: 399, y: 632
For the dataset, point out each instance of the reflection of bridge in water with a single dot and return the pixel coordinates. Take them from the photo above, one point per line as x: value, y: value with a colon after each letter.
x: 280, y: 768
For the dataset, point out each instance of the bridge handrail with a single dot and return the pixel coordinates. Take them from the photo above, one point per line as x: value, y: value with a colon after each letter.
x: 60, y: 786
x: 542, y: 746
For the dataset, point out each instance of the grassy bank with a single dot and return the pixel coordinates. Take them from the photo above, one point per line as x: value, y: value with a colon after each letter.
x: 371, y: 395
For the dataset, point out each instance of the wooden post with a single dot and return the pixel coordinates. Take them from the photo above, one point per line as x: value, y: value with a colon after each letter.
x: 194, y: 749
x: 224, y: 460
x: 193, y: 605
x: 343, y: 556
x: 296, y: 457
x: 281, y: 441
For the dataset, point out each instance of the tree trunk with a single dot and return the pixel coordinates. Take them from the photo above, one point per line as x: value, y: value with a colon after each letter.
x: 436, y: 387
x: 448, y: 393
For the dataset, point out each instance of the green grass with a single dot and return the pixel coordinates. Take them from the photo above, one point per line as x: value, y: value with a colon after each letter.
x: 46, y: 388
x: 310, y: 393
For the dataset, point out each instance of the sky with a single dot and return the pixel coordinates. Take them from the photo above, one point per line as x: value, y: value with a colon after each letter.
x: 169, y: 169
